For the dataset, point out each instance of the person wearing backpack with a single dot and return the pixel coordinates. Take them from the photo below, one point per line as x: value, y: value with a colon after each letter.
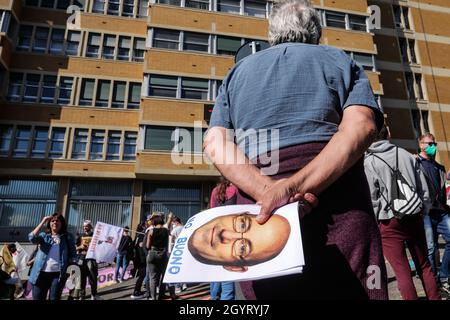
x: 438, y: 220
x: 400, y: 196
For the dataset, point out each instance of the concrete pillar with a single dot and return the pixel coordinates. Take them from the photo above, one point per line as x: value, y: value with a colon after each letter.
x: 63, y: 196
x: 137, y: 204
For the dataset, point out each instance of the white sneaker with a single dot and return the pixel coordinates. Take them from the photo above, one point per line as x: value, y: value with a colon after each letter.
x: 96, y: 297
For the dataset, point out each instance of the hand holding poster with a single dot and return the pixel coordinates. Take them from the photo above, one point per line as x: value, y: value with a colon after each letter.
x: 227, y: 244
x: 104, y: 244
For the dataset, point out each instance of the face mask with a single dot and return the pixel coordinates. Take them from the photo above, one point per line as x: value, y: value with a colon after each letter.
x: 430, y: 151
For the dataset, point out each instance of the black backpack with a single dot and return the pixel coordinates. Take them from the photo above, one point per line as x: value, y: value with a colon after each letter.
x: 404, y: 199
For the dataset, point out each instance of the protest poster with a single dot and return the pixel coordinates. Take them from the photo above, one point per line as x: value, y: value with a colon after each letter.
x: 20, y: 258
x: 104, y: 244
x: 227, y: 244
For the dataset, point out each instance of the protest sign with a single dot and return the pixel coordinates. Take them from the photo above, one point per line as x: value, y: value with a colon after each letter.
x: 227, y: 244
x: 104, y: 244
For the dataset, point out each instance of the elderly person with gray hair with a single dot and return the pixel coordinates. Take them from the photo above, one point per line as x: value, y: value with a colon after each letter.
x: 320, y: 105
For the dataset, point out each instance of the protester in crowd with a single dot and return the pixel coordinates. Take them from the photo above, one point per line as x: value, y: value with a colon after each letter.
x: 438, y: 220
x: 8, y: 284
x: 139, y: 261
x: 381, y: 161
x: 224, y: 194
x: 326, y: 116
x: 56, y: 251
x: 177, y: 227
x: 88, y: 267
x: 126, y: 244
x: 157, y: 242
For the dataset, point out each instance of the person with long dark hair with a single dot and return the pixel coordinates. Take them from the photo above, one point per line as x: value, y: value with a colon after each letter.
x: 157, y: 244
x: 56, y: 251
x: 223, y: 194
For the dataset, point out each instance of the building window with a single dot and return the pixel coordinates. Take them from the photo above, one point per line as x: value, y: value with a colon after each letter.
x: 229, y: 6
x: 113, y: 7
x: 24, y: 38
x: 129, y: 148
x: 255, y: 8
x: 118, y: 99
x: 93, y: 45
x: 15, y: 86
x: 403, y: 49
x: 143, y: 8
x: 192, y: 88
x: 57, y: 41
x: 197, y: 4
x: 410, y: 85
x: 40, y: 39
x: 57, y: 143
x: 196, y: 42
x: 31, y: 87
x: 418, y: 85
x: 108, y: 201
x: 365, y: 60
x: 138, y: 49
x: 109, y: 44
x: 228, y: 45
x: 128, y: 8
x: 401, y: 17
x: 47, y: 3
x: 21, y: 141
x: 357, y: 22
x: 73, y: 41
x: 124, y: 48
x: 134, y: 96
x: 170, y: 2
x: 405, y: 11
x: 102, y: 97
x: 80, y: 144
x: 99, y: 6
x: 159, y: 138
x: 23, y: 204
x: 6, y: 132
x: 48, y: 89
x: 335, y: 19
x: 87, y: 91
x: 65, y: 90
x: 40, y: 139
x: 167, y: 39
x: 412, y: 50
x: 113, y: 149
x: 415, y: 114
x: 163, y: 86
x: 97, y: 142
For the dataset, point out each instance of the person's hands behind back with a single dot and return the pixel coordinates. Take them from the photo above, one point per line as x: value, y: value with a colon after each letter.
x: 279, y: 194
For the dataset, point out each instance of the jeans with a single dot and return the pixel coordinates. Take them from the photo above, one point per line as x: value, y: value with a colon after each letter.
x: 438, y: 222
x: 409, y: 231
x: 89, y: 270
x: 121, y: 261
x: 222, y: 290
x: 156, y: 266
x: 47, y: 281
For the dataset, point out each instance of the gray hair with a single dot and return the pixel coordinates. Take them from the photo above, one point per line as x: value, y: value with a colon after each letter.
x: 294, y: 21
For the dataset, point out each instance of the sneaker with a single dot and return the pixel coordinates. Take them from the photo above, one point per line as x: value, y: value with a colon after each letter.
x: 117, y: 281
x: 178, y: 290
x: 19, y: 294
x: 96, y: 297
x: 445, y: 287
x: 137, y: 296
x: 184, y: 287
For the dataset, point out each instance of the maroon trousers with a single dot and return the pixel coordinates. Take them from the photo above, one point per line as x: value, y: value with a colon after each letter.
x: 409, y: 231
x: 341, y: 240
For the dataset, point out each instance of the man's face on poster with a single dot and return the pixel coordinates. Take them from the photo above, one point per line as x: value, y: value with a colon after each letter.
x: 237, y: 241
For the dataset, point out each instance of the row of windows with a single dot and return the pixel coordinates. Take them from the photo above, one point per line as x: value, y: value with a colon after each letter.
x: 42, y: 142
x: 194, y: 41
x: 110, y: 46
x: 48, y: 40
x: 343, y: 20
x: 123, y: 8
x: 51, y: 89
x: 162, y: 138
x: 181, y: 87
x: 54, y: 4
x: 55, y: 41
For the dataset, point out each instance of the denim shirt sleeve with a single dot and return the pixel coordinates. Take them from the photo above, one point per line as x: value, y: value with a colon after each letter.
x: 360, y: 92
x: 36, y: 239
x: 221, y: 113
